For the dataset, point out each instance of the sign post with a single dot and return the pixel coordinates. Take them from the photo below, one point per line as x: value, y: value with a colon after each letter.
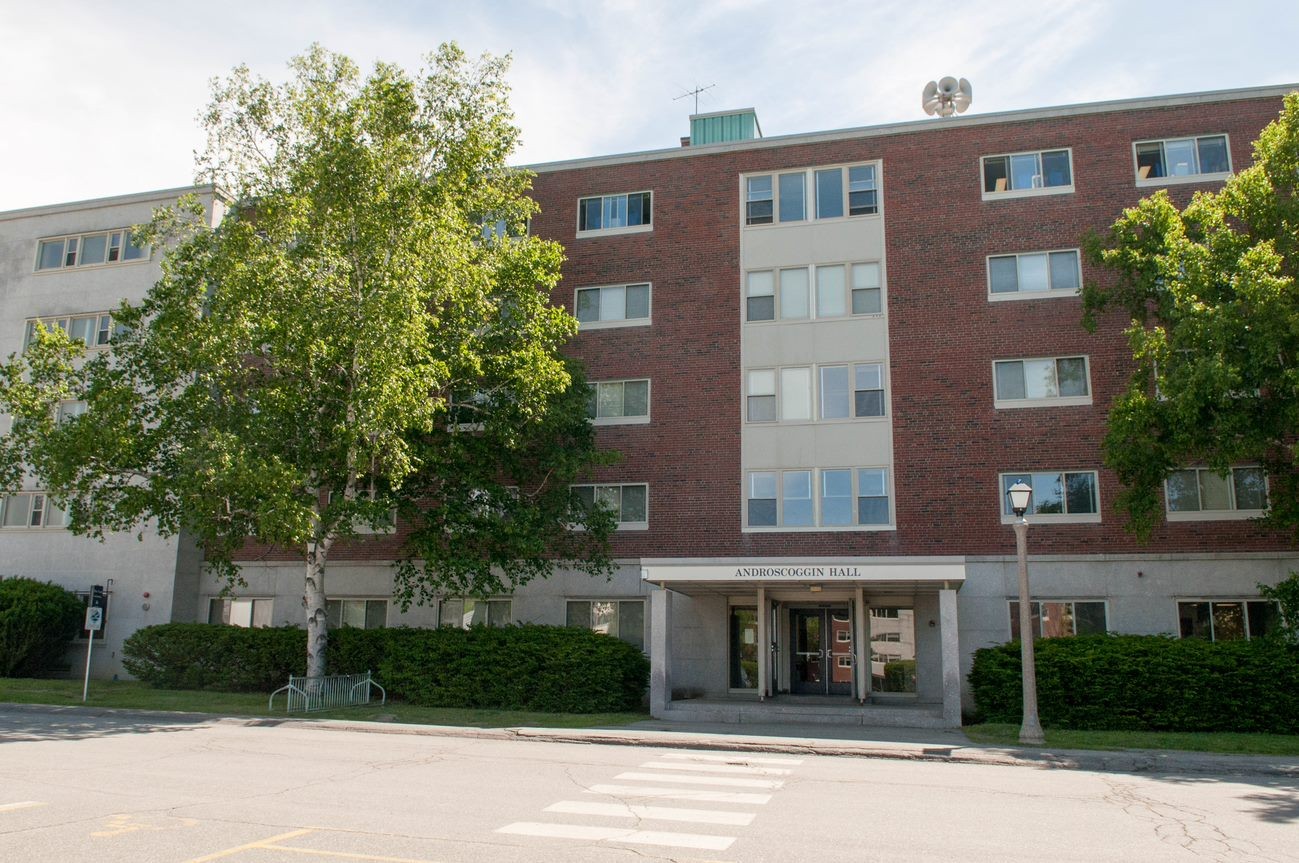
x: 94, y: 623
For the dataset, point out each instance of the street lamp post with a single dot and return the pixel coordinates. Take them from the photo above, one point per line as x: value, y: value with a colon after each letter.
x: 1030, y: 731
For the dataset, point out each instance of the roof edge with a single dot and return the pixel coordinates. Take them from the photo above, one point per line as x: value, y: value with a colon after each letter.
x: 115, y: 201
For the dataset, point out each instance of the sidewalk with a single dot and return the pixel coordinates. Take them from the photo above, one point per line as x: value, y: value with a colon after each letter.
x: 902, y: 744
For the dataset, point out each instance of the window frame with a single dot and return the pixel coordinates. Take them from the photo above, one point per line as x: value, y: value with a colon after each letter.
x: 810, y: 198
x: 623, y: 419
x: 387, y: 606
x: 1243, y: 601
x: 1201, y: 514
x: 252, y: 610
x: 65, y: 323
x: 617, y: 601
x: 1172, y: 180
x: 443, y: 601
x: 45, y: 508
x: 1050, y: 292
x: 584, y: 326
x: 813, y: 293
x: 1033, y: 191
x: 817, y: 392
x: 1000, y: 403
x: 124, y: 244
x: 1012, y: 610
x: 621, y: 525
x: 642, y: 228
x: 817, y: 487
x: 1066, y: 517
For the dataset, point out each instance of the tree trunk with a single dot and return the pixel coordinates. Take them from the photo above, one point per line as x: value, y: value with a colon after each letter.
x: 313, y: 600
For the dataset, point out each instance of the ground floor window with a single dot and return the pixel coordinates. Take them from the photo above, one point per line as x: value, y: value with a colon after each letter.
x: 1058, y: 618
x: 463, y: 612
x: 359, y: 613
x: 239, y: 612
x: 744, y: 647
x: 623, y: 619
x: 1228, y: 619
x: 893, y: 649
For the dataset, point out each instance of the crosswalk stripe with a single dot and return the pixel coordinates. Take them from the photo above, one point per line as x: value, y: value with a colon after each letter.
x: 702, y: 780
x: 691, y: 794
x: 619, y: 834
x: 25, y: 804
x: 660, y: 813
x: 721, y: 768
x: 737, y: 758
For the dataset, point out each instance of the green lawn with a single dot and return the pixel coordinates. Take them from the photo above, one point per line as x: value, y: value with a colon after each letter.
x: 1219, y: 742
x: 138, y: 696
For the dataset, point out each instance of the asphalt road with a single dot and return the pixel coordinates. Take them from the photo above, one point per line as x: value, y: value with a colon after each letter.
x: 122, y: 788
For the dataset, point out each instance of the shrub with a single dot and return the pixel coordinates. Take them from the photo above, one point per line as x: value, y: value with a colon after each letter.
x: 545, y: 668
x: 1146, y: 682
x: 37, y: 620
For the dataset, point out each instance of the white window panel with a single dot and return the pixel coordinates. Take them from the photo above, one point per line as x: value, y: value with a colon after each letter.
x: 831, y: 301
x: 795, y: 394
x: 761, y: 396
x: 795, y: 295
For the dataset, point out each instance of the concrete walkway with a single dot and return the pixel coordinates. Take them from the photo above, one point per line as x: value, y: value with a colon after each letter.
x: 905, y: 744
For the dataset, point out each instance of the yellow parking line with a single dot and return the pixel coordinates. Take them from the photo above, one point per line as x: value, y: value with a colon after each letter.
x: 260, y: 843
x: 24, y: 804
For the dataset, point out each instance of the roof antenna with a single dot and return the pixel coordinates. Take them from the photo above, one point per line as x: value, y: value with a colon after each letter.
x: 695, y: 92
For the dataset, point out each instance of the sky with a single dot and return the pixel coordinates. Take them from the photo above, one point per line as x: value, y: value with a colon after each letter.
x: 102, y: 98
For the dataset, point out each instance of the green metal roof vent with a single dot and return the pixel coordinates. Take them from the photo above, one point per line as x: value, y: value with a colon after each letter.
x: 721, y: 127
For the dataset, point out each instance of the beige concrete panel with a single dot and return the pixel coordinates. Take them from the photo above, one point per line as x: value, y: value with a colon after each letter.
x: 827, y: 242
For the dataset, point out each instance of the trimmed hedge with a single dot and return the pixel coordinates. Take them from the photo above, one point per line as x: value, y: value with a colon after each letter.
x: 1146, y: 682
x: 37, y: 620
x: 546, y: 668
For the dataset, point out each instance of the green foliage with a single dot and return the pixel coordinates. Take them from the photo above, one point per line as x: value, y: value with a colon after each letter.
x: 546, y: 668
x: 1212, y: 295
x: 37, y: 620
x: 1154, y: 683
x: 1286, y: 594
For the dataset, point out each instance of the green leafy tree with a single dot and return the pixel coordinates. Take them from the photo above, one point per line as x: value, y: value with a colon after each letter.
x: 1214, y: 303
x: 1286, y: 595
x: 347, y: 342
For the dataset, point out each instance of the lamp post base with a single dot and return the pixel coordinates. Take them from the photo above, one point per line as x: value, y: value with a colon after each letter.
x: 1030, y: 734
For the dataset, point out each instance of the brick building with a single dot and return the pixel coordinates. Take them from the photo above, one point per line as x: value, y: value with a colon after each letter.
x: 824, y: 358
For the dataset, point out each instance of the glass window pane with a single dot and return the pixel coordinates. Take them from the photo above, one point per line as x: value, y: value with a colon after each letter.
x: 613, y: 304
x: 1032, y: 273
x: 614, y: 214
x: 836, y: 497
x: 1228, y: 621
x: 635, y: 398
x: 762, y: 382
x: 83, y: 330
x: 762, y: 409
x: 578, y: 614
x: 499, y: 612
x: 1055, y: 168
x: 758, y: 207
x: 792, y: 204
x: 865, y: 289
x: 1250, y: 486
x: 762, y: 512
x: 796, y: 394
x: 241, y: 612
x: 1072, y: 373
x: 588, y: 211
x: 798, y: 498
x: 134, y: 251
x: 1048, y: 493
x: 871, y: 482
x: 831, y: 299
x: 51, y: 255
x: 94, y: 248
x: 893, y: 649
x: 794, y: 294
x: 1039, y: 379
x: 608, y: 400
x: 637, y: 301
x: 1150, y: 160
x: 1089, y: 618
x: 1003, y: 274
x: 1215, y: 492
x: 760, y: 188
x: 588, y: 304
x: 861, y: 190
x: 1193, y: 620
x: 1007, y: 480
x: 1010, y: 380
x: 17, y: 509
x: 604, y: 618
x: 829, y: 193
x: 1213, y: 155
x: 634, y: 503
x: 1264, y: 618
x: 762, y: 485
x: 354, y: 613
x: 217, y: 612
x: 744, y: 648
x: 761, y: 296
x: 631, y: 622
x: 1056, y: 619
x: 1183, y: 490
x: 834, y: 392
x: 1080, y: 493
x: 1180, y: 153
x: 1025, y: 171
x: 376, y: 613
x: 1064, y: 271
x: 994, y: 174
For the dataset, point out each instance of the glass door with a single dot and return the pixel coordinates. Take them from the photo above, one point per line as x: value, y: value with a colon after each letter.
x: 822, y: 656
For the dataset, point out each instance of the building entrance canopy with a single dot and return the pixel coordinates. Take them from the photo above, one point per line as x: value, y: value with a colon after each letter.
x: 744, y: 574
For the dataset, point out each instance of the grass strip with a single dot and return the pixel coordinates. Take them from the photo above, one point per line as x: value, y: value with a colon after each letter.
x: 1219, y: 742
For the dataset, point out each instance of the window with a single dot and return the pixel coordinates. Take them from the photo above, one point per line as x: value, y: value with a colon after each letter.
x: 31, y: 509
x: 843, y: 498
x: 66, y: 410
x: 610, y: 213
x: 619, y: 618
x: 385, y: 524
x: 358, y: 613
x: 94, y: 330
x: 629, y: 503
x: 744, y: 647
x: 613, y: 306
x: 1182, y: 159
x: 619, y: 402
x: 846, y: 190
x: 1228, y: 620
x: 239, y: 612
x: 86, y: 250
x: 1042, y: 381
x: 1201, y: 493
x: 850, y: 391
x: 1013, y: 276
x: 464, y: 612
x: 1017, y: 174
x: 841, y: 289
x: 1057, y: 496
x: 1059, y: 618
x: 893, y: 650
x: 758, y: 209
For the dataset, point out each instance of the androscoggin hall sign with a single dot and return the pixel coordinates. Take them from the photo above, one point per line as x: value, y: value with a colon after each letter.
x: 928, y: 569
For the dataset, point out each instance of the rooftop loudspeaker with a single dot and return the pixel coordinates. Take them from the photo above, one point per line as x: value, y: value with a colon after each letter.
x: 947, y: 97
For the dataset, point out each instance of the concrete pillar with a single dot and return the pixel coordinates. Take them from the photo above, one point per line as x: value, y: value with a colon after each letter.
x: 951, y: 658
x: 861, y: 646
x: 764, y: 646
x: 660, y: 651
